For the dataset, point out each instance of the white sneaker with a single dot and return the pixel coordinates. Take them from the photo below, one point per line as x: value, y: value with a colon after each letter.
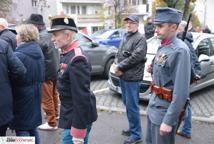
x: 46, y: 126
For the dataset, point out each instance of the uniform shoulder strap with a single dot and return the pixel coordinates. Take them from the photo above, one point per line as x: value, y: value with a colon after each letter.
x: 78, y: 53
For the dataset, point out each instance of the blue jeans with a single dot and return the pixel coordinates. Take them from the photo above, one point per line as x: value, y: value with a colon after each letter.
x: 33, y: 132
x: 130, y: 96
x: 186, y: 127
x: 67, y: 138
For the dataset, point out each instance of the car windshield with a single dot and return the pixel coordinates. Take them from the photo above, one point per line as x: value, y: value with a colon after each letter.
x: 106, y: 34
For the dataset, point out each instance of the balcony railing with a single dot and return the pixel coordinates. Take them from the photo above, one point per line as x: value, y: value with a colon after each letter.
x: 82, y: 1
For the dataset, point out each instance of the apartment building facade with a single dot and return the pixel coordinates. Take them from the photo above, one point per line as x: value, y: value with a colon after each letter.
x: 22, y: 9
x: 88, y: 14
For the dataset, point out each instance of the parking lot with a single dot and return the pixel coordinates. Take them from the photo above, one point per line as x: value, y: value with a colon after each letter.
x: 202, y: 101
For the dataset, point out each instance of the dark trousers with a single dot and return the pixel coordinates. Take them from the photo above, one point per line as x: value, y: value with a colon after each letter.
x: 3, y: 130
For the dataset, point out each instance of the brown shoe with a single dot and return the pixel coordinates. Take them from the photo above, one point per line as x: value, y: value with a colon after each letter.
x: 183, y: 135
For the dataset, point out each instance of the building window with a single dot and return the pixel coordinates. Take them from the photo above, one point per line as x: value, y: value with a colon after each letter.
x: 73, y: 9
x: 84, y: 9
x: 144, y: 1
x: 34, y: 3
x: 133, y: 2
x: 78, y: 9
x: 67, y: 9
x: 109, y: 10
x: 94, y: 29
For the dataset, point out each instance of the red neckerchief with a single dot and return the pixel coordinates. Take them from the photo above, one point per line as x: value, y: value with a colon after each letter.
x: 74, y: 44
x: 166, y: 41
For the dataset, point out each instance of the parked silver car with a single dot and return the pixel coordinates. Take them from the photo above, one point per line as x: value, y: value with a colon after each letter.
x: 204, y: 47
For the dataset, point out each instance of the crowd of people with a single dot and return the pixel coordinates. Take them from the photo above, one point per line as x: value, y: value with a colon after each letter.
x: 30, y: 68
x: 35, y: 75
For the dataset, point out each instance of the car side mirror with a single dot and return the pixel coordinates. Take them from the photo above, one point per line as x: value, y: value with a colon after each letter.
x: 94, y: 44
x: 203, y: 58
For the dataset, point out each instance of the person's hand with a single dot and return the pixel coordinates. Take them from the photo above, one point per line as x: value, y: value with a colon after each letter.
x: 114, y: 69
x: 78, y: 135
x: 196, y: 78
x: 118, y: 72
x: 165, y: 129
x: 149, y: 68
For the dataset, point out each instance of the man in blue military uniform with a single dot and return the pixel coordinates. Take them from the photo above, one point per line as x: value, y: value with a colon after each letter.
x: 171, y: 79
x: 78, y: 104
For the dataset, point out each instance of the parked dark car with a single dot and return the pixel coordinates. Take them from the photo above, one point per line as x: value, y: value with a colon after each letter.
x: 110, y: 37
x: 100, y: 56
x: 204, y: 47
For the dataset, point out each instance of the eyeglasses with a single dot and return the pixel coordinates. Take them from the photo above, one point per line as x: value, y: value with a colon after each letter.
x: 130, y: 22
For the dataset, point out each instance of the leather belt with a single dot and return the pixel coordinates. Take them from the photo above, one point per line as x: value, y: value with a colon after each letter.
x: 162, y: 92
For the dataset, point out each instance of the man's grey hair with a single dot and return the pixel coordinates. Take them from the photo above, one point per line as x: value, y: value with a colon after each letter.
x: 70, y: 31
x: 3, y: 22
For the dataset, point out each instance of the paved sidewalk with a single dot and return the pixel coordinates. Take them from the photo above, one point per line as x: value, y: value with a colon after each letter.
x: 107, y: 130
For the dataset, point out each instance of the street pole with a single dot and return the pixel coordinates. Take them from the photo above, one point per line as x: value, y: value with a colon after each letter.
x: 205, y: 13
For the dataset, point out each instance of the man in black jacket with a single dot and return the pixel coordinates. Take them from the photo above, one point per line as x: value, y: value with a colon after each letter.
x: 50, y: 98
x: 129, y: 66
x: 6, y: 34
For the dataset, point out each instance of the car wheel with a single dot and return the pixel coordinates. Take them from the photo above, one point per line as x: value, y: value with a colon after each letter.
x: 107, y: 67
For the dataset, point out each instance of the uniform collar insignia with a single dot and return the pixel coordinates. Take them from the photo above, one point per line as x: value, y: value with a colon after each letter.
x: 166, y: 41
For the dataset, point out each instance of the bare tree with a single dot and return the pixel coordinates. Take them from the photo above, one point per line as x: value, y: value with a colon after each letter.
x: 5, y: 7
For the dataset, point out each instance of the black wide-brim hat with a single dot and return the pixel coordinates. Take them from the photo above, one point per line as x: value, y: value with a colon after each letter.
x: 36, y: 19
x: 62, y: 23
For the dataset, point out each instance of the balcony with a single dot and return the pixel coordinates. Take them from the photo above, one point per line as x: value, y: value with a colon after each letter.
x: 137, y: 10
x: 89, y: 18
x: 83, y: 1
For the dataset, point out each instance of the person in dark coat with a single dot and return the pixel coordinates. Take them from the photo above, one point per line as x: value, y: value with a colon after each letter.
x: 78, y: 103
x: 11, y: 68
x: 27, y: 92
x: 206, y: 29
x: 6, y: 34
x: 185, y: 130
x: 149, y: 28
x: 50, y: 96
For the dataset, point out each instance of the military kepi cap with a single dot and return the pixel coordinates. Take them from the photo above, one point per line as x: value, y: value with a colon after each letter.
x: 62, y: 23
x: 167, y: 15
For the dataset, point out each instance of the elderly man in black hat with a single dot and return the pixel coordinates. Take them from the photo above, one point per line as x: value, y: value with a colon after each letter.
x: 50, y: 98
x: 171, y: 79
x: 129, y: 66
x: 78, y: 104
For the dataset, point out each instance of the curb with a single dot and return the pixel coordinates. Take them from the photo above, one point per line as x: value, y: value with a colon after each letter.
x: 143, y: 113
